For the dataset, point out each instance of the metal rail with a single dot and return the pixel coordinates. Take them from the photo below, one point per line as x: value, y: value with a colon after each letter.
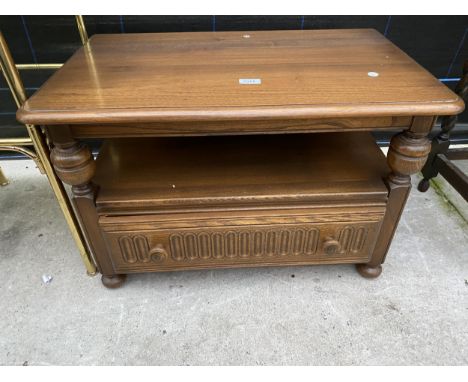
x: 38, y: 140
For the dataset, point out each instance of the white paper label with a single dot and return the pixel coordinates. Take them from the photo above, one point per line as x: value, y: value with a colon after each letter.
x: 250, y: 81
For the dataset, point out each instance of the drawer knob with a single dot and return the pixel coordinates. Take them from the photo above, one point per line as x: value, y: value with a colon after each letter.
x: 331, y: 246
x: 158, y: 254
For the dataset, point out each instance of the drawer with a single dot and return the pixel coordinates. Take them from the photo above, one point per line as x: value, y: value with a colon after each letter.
x: 190, y: 241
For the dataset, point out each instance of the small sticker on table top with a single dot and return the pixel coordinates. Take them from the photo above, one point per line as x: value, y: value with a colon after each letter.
x: 250, y: 81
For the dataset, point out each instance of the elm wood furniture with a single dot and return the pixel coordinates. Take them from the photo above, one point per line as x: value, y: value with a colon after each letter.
x: 200, y: 167
x: 441, y: 156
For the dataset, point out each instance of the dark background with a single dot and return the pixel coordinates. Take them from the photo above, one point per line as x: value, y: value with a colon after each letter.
x: 438, y: 43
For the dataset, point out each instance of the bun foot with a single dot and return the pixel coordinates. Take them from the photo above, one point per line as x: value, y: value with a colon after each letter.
x: 423, y: 185
x: 113, y: 281
x: 369, y: 272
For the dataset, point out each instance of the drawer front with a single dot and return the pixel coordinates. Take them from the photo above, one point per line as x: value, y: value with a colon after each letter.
x: 293, y: 242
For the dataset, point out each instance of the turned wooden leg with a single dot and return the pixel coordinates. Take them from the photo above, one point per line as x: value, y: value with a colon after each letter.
x: 113, y: 281
x: 74, y: 165
x: 407, y: 154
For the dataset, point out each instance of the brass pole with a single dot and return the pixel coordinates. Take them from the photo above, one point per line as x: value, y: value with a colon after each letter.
x: 38, y: 66
x: 82, y: 29
x: 84, y: 39
x: 16, y: 86
x: 22, y: 150
x: 15, y: 142
x: 3, y: 179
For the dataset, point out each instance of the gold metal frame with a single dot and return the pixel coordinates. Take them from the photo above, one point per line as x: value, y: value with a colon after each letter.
x: 3, y: 179
x: 82, y: 29
x: 38, y: 140
x: 16, y: 144
x: 38, y: 66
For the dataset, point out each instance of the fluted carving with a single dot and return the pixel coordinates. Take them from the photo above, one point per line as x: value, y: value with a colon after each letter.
x: 188, y: 247
x: 135, y: 249
x: 243, y: 244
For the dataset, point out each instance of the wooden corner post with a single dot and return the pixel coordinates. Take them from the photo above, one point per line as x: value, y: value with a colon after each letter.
x: 407, y: 155
x: 74, y: 164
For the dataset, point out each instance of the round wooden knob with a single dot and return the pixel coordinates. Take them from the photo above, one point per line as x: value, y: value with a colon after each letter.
x: 158, y: 254
x: 331, y: 246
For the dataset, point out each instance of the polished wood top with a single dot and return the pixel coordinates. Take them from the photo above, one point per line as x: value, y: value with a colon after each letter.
x: 158, y: 77
x: 239, y: 171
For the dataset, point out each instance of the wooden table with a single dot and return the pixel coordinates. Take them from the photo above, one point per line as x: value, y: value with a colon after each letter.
x: 208, y: 159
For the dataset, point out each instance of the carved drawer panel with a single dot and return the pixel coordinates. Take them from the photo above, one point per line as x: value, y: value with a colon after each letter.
x: 294, y: 242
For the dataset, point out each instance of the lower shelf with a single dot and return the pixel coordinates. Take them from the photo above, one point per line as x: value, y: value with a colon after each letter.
x: 321, y: 202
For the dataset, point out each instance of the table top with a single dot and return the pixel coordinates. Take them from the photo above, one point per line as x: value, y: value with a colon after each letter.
x: 206, y: 76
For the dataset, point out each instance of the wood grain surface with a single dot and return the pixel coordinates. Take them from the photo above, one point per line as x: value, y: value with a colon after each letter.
x: 164, y: 174
x: 195, y: 76
x: 217, y: 202
x: 233, y: 127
